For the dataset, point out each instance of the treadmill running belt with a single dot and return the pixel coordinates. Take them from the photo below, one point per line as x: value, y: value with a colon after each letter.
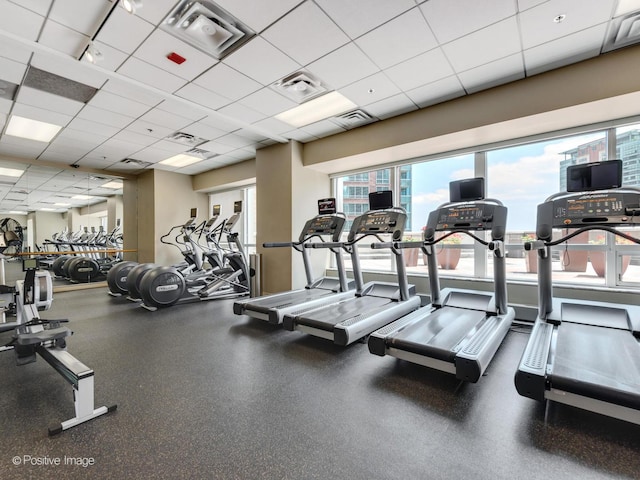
x: 327, y: 318
x: 599, y: 363
x: 438, y: 333
x: 265, y: 305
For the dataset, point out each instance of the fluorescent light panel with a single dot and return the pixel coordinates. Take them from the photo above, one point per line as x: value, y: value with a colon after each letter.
x: 46, y: 209
x: 328, y: 105
x: 180, y: 160
x: 114, y: 184
x: 626, y: 6
x: 62, y: 204
x: 10, y: 172
x: 31, y: 129
x: 17, y: 212
x: 82, y: 197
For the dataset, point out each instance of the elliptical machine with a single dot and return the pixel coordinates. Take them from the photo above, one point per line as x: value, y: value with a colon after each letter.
x: 166, y: 286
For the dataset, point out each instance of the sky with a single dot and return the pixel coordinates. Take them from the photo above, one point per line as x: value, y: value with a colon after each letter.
x: 520, y: 177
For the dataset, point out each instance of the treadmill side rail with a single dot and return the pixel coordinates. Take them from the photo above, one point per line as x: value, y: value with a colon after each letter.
x: 472, y: 361
x: 530, y: 378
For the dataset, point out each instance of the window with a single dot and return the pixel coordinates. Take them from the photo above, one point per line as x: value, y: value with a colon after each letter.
x: 356, y: 192
x: 382, y: 177
x: 358, y: 177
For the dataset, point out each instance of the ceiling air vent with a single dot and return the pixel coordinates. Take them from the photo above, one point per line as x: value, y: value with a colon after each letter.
x: 186, y: 139
x: 200, y: 153
x: 139, y: 163
x: 207, y: 27
x: 354, y: 118
x: 7, y: 90
x: 299, y: 86
x: 57, y: 85
x: 623, y: 31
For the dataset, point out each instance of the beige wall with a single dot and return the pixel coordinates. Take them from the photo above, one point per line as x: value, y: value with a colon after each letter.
x: 173, y: 200
x: 46, y: 224
x: 145, y: 215
x: 236, y: 175
x: 130, y: 218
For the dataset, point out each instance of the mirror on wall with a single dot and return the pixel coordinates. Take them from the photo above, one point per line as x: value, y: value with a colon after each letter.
x: 47, y: 205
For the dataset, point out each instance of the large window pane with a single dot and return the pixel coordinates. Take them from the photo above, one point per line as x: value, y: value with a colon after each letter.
x: 523, y: 177
x: 423, y: 187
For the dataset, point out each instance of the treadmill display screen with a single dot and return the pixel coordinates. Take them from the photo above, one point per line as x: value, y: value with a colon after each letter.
x: 322, y: 225
x: 326, y: 206
x: 460, y: 217
x: 381, y: 200
x: 585, y: 209
x: 377, y: 223
x: 594, y: 176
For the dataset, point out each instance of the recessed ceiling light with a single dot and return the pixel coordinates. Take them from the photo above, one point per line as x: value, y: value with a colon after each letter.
x: 82, y: 197
x: 93, y: 54
x: 17, y: 212
x: 31, y: 129
x: 180, y: 160
x: 319, y: 108
x: 62, y: 204
x: 10, y: 172
x: 115, y: 184
x: 45, y: 209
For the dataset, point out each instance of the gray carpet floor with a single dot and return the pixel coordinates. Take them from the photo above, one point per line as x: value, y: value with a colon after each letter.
x: 202, y: 393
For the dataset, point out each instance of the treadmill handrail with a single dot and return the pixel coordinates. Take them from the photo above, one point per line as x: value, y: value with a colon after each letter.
x: 424, y: 243
x: 540, y: 244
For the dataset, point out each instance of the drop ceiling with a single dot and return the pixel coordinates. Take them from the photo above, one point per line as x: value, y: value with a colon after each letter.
x: 387, y: 57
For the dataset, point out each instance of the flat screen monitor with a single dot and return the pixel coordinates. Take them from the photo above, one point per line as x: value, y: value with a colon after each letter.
x: 29, y: 264
x: 194, y: 213
x: 594, y: 176
x: 381, y: 200
x: 327, y: 206
x: 466, y: 190
x: 237, y: 206
x: 215, y: 211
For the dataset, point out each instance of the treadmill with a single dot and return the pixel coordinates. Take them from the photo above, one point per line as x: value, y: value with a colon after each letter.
x: 461, y: 330
x: 584, y: 353
x: 375, y: 304
x: 272, y: 308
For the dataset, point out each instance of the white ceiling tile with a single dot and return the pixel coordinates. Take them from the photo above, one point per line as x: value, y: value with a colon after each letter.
x: 451, y: 20
x: 258, y: 15
x: 5, y: 107
x: 91, y: 127
x: 25, y: 151
x: 60, y: 157
x: 220, y: 122
x: 391, y: 106
x: 323, y: 128
x: 156, y: 10
x: 69, y: 68
x: 135, y: 138
x: 527, y: 4
x: 236, y: 141
x: 146, y: 128
x: 106, y: 117
x: 492, y: 74
x: 425, y: 68
x: 273, y: 125
x: 151, y: 75
x: 228, y: 82
x: 117, y: 148
x: 171, y: 148
x: 242, y: 113
x: 75, y: 151
x: 48, y: 101
x: 63, y: 39
x: 70, y: 134
x: 203, y: 131
x: 249, y: 60
x: 268, y: 102
x: 95, y: 162
x: 343, y: 66
x: 572, y: 48
x: 537, y: 25
x: 119, y: 22
x: 116, y: 103
x: 305, y: 34
x: 41, y: 7
x: 127, y: 90
x: 436, y: 92
x: 84, y: 16
x: 216, y: 147
x: 12, y: 71
x: 20, y: 21
x: 357, y: 17
x: 202, y: 96
x: 402, y: 38
x: 14, y: 51
x: 111, y: 59
x: 371, y: 89
x: 154, y: 154
x: 186, y: 109
x: 40, y: 114
x: 499, y: 40
x: 160, y: 117
x: 159, y: 45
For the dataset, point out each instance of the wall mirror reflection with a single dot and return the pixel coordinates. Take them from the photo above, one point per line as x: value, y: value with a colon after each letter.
x: 61, y: 213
